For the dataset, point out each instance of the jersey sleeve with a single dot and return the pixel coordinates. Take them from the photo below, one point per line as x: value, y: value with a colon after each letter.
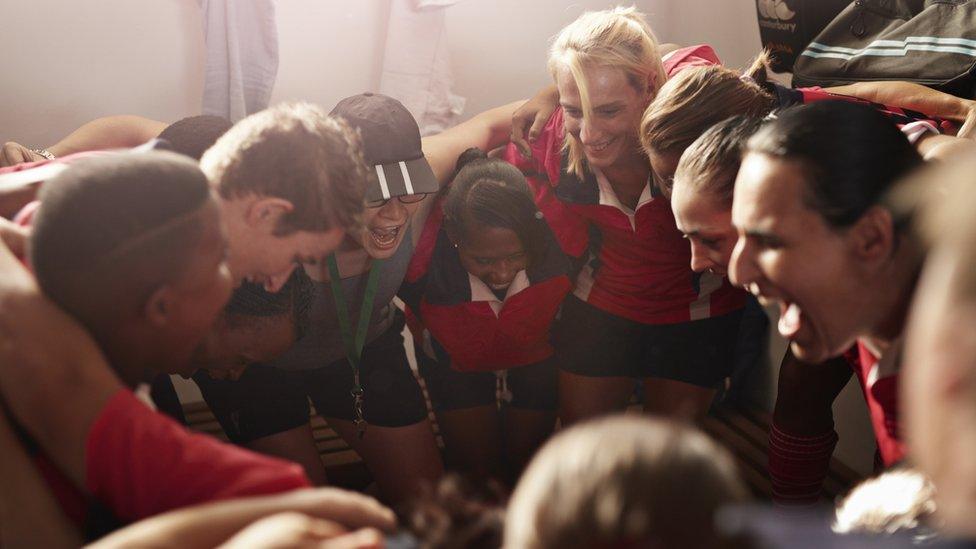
x: 140, y: 463
x: 693, y: 56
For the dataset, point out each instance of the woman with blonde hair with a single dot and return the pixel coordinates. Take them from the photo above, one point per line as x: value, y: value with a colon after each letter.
x: 638, y: 313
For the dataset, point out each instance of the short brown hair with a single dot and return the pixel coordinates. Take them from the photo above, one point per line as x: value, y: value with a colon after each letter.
x: 712, y: 161
x: 623, y: 480
x: 114, y: 228
x: 697, y: 98
x: 294, y: 151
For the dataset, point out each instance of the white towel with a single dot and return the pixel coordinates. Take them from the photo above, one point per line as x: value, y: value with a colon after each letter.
x: 242, y: 56
x: 416, y: 64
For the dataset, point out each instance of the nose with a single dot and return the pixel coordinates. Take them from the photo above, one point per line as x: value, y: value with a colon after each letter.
x: 699, y: 260
x: 277, y: 281
x: 742, y: 267
x: 502, y: 273
x: 393, y: 210
x: 588, y: 133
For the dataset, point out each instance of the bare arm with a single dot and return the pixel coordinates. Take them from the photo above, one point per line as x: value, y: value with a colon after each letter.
x: 211, y: 524
x: 29, y: 515
x: 486, y: 131
x: 34, y: 373
x: 110, y: 132
x: 915, y: 97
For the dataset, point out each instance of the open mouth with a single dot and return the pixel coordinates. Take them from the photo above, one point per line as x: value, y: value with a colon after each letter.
x: 600, y: 147
x: 499, y: 287
x: 790, y: 319
x: 385, y: 237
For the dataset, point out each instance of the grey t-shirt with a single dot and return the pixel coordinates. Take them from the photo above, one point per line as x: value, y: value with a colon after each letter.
x: 322, y: 343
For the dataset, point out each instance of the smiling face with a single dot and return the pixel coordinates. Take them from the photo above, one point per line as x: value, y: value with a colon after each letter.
x: 611, y: 134
x: 706, y: 221
x: 787, y: 254
x: 385, y: 227
x: 492, y: 254
x: 258, y: 252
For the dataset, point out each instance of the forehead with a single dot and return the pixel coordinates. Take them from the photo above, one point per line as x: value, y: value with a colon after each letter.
x: 768, y: 193
x: 484, y: 239
x: 604, y: 84
x: 695, y: 210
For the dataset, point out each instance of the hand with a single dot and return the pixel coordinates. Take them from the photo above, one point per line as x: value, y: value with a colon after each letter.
x: 14, y: 153
x: 968, y: 129
x: 14, y: 237
x: 294, y: 530
x: 529, y: 119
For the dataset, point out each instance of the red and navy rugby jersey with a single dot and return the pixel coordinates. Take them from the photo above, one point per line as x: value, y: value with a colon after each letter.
x: 470, y: 327
x: 879, y: 383
x: 637, y: 265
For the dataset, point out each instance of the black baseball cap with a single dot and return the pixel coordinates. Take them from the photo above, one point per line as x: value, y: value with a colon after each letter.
x: 391, y: 145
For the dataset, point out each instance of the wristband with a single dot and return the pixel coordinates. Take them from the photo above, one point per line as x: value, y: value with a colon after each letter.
x: 44, y: 152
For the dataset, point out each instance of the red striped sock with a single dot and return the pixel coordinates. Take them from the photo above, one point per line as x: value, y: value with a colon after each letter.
x: 798, y: 466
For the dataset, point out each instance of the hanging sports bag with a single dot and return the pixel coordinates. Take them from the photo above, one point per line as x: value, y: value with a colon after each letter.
x: 787, y: 26
x: 930, y: 42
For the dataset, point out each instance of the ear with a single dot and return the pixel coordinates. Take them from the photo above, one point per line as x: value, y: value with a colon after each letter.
x: 159, y: 308
x: 267, y: 210
x: 873, y: 236
x: 452, y: 235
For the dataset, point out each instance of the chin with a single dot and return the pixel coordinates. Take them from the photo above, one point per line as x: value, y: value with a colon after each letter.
x: 811, y: 354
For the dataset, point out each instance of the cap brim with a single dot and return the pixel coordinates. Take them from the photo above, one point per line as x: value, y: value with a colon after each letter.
x: 402, y: 178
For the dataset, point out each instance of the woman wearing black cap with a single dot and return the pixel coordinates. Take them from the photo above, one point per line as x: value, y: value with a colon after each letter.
x: 352, y: 363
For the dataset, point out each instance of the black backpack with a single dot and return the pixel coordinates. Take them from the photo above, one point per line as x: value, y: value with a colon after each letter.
x: 787, y: 26
x: 930, y: 42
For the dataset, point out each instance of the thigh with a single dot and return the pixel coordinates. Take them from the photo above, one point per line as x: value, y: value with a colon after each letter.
x: 534, y: 386
x: 402, y: 459
x: 296, y: 445
x: 263, y: 402
x: 584, y: 397
x: 676, y: 399
x: 472, y: 440
x: 451, y: 390
x: 524, y: 431
x: 806, y: 393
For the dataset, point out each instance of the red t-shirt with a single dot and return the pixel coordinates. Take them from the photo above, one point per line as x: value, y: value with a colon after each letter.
x: 881, y: 394
x: 638, y: 264
x: 140, y: 463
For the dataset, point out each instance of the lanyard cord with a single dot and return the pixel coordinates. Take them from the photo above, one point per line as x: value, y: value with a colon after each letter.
x: 354, y: 347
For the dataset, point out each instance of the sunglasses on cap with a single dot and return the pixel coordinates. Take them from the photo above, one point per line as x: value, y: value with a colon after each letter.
x: 403, y: 198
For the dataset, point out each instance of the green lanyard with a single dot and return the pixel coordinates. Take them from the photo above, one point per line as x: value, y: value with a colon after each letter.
x: 354, y: 347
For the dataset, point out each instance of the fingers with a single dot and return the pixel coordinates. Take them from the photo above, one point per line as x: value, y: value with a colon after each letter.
x: 521, y: 120
x: 968, y: 129
x: 349, y: 508
x: 14, y: 153
x: 366, y: 538
x: 541, y: 118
